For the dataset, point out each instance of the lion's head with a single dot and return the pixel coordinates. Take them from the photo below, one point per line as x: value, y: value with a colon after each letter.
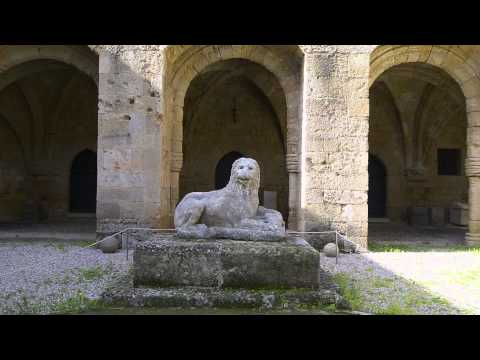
x: 245, y: 172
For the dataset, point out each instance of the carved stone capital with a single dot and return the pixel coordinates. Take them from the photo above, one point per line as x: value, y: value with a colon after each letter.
x: 293, y: 163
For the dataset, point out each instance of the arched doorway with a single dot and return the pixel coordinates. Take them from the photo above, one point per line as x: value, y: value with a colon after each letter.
x: 83, y: 183
x: 377, y: 188
x: 235, y: 104
x: 417, y: 115
x: 421, y: 122
x: 224, y: 167
x: 277, y: 79
x: 48, y: 113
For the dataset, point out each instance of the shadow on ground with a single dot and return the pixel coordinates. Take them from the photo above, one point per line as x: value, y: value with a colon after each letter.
x: 411, y: 271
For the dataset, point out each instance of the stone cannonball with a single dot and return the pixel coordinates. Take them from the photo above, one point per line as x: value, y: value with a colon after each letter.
x: 110, y: 246
x: 330, y: 250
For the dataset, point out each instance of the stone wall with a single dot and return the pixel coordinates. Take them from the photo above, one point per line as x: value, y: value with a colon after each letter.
x: 324, y: 124
x: 326, y: 130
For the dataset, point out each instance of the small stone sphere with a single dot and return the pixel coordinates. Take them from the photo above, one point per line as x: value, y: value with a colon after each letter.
x: 110, y: 246
x: 330, y: 250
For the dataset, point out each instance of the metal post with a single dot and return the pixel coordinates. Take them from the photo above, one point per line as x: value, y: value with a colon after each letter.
x: 336, y: 245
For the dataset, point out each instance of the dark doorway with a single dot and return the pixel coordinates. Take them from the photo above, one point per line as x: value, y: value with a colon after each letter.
x: 377, y: 188
x: 224, y: 167
x: 83, y: 183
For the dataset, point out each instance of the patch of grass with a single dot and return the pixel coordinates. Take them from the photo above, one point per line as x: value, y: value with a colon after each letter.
x: 93, y: 273
x: 469, y: 278
x: 77, y: 304
x: 66, y: 279
x: 82, y: 243
x: 58, y: 246
x: 408, y: 302
x: 349, y: 291
x: 396, y: 309
x: 380, y: 247
x: 413, y: 299
x: 27, y: 307
x: 330, y: 308
x: 383, y: 282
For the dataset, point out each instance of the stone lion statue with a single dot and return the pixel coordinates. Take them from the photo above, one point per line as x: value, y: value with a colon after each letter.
x: 231, y: 212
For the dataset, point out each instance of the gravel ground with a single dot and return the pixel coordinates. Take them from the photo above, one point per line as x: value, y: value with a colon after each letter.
x: 433, y: 282
x: 62, y: 274
x: 58, y: 275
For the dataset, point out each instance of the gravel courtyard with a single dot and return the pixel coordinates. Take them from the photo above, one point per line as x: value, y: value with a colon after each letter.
x: 422, y: 277
x: 58, y: 276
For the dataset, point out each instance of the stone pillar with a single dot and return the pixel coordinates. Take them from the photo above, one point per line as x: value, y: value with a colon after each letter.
x: 176, y: 167
x: 131, y: 189
x: 293, y: 184
x: 334, y: 162
x: 472, y: 171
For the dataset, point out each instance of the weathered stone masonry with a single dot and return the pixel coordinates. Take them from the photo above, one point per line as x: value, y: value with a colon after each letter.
x: 142, y: 92
x: 319, y: 95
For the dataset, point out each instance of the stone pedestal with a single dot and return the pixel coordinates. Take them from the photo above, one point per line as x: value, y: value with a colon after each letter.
x: 166, y: 261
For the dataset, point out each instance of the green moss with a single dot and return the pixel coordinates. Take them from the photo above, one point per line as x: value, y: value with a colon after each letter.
x: 77, y: 304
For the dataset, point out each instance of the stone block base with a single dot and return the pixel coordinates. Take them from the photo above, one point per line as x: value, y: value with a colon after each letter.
x: 167, y: 261
x: 195, y: 297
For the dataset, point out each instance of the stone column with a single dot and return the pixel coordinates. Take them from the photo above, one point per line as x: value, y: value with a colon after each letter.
x: 472, y: 171
x: 130, y: 128
x: 176, y: 167
x: 334, y: 162
x: 293, y: 184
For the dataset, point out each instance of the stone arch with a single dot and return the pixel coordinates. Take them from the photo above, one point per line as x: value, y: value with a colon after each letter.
x: 184, y: 63
x: 81, y: 57
x: 14, y: 181
x: 34, y: 75
x: 399, y: 124
x: 462, y: 64
x: 431, y: 131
